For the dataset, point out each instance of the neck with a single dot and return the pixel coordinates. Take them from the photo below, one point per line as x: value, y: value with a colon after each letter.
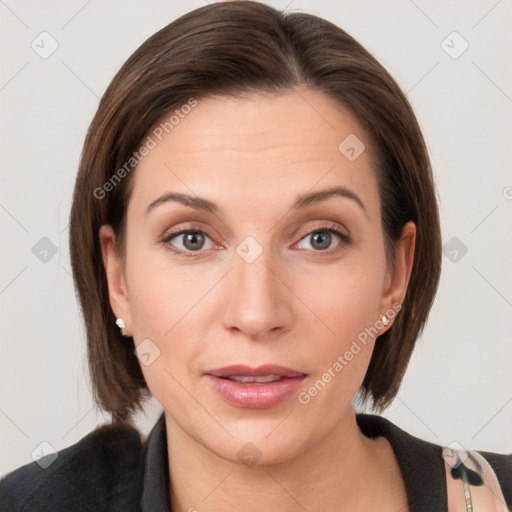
x: 344, y: 471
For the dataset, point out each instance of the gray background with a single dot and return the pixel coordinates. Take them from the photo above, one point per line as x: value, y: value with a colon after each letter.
x: 459, y: 384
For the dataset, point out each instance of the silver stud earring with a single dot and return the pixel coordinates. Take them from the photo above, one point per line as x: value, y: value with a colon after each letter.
x: 120, y: 323
x: 384, y: 320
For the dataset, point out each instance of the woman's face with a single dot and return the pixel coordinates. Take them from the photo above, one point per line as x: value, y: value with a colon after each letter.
x: 274, y: 272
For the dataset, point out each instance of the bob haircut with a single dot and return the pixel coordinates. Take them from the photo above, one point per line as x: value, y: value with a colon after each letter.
x: 238, y: 49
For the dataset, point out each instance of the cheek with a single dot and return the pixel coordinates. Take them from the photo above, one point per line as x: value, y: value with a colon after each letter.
x: 172, y: 306
x: 162, y: 295
x: 345, y: 295
x: 347, y: 317
x: 343, y: 300
x: 338, y: 344
x: 166, y: 309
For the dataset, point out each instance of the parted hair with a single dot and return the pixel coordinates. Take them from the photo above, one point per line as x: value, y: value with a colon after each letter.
x: 237, y: 48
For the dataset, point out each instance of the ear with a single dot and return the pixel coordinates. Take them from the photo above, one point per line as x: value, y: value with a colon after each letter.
x: 117, y: 289
x: 397, y: 277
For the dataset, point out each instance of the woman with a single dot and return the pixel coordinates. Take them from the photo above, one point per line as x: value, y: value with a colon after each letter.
x: 255, y: 242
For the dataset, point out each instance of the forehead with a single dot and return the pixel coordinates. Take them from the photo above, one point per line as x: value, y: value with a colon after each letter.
x: 256, y: 148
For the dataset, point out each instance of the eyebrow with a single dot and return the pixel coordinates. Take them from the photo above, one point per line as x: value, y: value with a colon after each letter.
x: 302, y: 201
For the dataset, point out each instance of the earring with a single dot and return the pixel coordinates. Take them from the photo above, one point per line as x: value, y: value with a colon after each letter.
x: 384, y: 320
x: 120, y: 323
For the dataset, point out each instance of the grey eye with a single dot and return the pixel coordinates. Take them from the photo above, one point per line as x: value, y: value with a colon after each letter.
x: 321, y: 240
x: 190, y: 241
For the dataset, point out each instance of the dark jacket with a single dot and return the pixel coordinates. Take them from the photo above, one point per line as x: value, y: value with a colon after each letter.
x: 112, y: 469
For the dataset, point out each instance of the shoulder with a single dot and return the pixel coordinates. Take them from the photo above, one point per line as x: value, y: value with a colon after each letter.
x: 502, y: 466
x: 422, y: 462
x: 99, y: 472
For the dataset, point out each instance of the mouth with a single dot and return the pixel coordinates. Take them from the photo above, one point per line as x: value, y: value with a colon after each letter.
x: 266, y: 371
x: 255, y: 388
x: 247, y: 379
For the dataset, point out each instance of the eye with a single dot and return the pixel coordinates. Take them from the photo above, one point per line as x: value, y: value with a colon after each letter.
x: 322, y: 238
x: 188, y: 241
x: 193, y: 241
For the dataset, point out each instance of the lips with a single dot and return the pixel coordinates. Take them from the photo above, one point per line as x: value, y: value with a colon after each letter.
x: 260, y: 371
x: 247, y: 379
x: 255, y: 388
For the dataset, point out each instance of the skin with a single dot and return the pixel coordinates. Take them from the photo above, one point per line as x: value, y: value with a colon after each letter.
x: 294, y: 305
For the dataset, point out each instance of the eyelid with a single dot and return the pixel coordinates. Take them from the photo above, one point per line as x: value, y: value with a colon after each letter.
x: 195, y: 228
x: 331, y: 227
x: 325, y: 226
x: 191, y: 227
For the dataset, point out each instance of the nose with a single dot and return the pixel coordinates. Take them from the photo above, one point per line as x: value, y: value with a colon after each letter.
x: 258, y: 299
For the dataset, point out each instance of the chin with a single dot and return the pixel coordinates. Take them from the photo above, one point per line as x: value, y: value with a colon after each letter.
x: 258, y: 452
x: 261, y: 441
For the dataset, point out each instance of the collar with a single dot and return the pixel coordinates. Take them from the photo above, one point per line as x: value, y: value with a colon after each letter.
x: 155, y: 486
x: 420, y: 463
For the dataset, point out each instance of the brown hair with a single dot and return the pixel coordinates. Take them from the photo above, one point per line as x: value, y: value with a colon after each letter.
x: 233, y: 48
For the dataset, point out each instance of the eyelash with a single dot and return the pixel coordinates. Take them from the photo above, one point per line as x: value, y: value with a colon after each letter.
x: 330, y: 228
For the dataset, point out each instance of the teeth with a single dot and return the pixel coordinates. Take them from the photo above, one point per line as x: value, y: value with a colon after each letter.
x: 259, y: 379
